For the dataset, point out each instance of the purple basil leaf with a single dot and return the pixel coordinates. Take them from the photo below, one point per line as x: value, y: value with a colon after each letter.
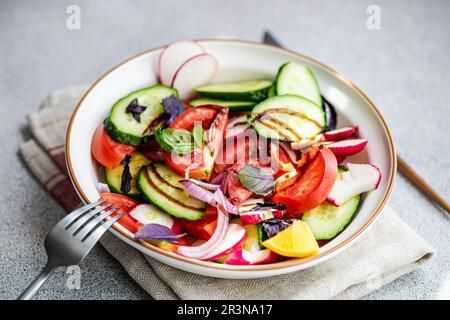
x: 272, y: 227
x: 276, y: 206
x: 173, y: 107
x: 155, y: 231
x: 135, y: 109
x: 257, y: 180
x: 125, y: 185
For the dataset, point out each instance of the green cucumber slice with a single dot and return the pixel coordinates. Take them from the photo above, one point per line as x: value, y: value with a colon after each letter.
x: 288, y: 118
x: 233, y: 105
x: 262, y: 236
x: 123, y: 127
x: 327, y: 221
x: 271, y: 92
x: 255, y: 90
x: 298, y: 79
x: 114, y: 176
x: 160, y: 186
x: 253, y: 240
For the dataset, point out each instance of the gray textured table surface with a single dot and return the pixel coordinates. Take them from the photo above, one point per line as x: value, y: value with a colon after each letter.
x: 404, y: 67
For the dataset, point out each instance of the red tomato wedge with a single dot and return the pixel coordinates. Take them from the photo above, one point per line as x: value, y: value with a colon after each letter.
x: 210, y: 117
x: 233, y: 186
x: 125, y: 204
x: 313, y: 187
x: 107, y: 151
x: 238, y: 151
x: 204, y: 114
x: 203, y: 228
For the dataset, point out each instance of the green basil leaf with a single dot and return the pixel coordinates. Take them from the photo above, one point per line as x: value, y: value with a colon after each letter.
x: 257, y: 180
x: 199, y: 135
x: 175, y: 140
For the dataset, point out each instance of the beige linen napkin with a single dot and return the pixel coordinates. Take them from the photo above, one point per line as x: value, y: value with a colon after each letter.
x: 387, y: 251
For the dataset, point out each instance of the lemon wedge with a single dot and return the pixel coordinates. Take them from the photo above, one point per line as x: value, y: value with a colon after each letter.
x: 295, y: 241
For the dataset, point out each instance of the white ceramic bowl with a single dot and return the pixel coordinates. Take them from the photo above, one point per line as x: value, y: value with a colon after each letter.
x: 238, y: 60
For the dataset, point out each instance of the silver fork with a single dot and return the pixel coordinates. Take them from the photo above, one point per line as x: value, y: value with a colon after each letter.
x: 71, y: 240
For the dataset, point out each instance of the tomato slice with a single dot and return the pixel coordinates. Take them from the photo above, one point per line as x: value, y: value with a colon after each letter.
x: 204, y: 114
x: 238, y: 151
x: 308, y: 157
x: 107, y: 151
x: 202, y: 228
x: 233, y: 186
x: 313, y: 187
x: 204, y: 158
x: 124, y: 204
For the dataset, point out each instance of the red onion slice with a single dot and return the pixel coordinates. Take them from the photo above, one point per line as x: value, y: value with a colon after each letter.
x: 207, y: 186
x: 223, y: 202
x: 199, y: 192
x: 224, y: 184
x: 217, y: 237
x: 219, y: 178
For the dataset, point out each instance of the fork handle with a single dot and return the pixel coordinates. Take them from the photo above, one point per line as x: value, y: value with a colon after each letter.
x: 34, y: 287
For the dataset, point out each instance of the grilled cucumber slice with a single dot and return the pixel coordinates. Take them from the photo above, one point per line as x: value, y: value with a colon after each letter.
x: 114, y: 176
x: 298, y: 79
x: 123, y: 127
x: 288, y: 118
x: 255, y: 90
x: 233, y: 105
x: 160, y: 186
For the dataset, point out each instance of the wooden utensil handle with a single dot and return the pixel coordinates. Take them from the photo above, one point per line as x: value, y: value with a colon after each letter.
x: 405, y: 169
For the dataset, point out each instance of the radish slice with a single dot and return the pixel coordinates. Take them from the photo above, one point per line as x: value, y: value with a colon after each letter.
x: 248, y: 204
x: 147, y: 214
x: 347, y: 147
x: 233, y: 241
x: 257, y: 216
x: 250, y: 216
x: 103, y: 188
x: 341, y: 134
x: 245, y: 257
x: 242, y: 119
x: 237, y: 131
x: 173, y: 56
x: 194, y: 72
x: 305, y: 143
x: 340, y: 159
x: 358, y: 179
x: 213, y: 242
x: 236, y: 127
